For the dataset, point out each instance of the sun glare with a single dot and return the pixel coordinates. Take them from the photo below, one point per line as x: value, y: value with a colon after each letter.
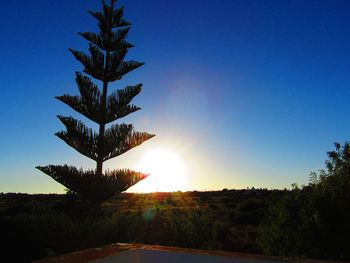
x: 166, y: 172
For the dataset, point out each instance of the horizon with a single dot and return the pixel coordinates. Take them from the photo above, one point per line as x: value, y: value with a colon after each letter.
x: 239, y: 94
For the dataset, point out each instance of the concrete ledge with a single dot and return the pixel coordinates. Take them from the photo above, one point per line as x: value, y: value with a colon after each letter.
x: 121, y: 252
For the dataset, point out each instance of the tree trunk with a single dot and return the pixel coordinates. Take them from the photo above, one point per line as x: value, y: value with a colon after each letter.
x: 99, y: 163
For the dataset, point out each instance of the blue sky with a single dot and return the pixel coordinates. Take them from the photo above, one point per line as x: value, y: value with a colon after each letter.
x: 248, y: 93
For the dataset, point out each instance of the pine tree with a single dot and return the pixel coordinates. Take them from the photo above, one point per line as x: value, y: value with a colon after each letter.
x: 106, y: 63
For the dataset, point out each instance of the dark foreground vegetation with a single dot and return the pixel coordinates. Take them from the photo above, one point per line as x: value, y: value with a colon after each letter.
x: 314, y: 220
x: 309, y: 221
x: 36, y: 226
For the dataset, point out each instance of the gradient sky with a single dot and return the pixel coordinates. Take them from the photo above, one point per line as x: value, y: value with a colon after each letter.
x: 246, y: 92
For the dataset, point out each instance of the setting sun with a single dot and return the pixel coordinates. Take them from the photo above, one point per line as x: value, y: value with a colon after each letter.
x: 166, y: 172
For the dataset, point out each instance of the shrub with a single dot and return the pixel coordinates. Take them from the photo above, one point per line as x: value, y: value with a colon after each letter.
x: 313, y: 221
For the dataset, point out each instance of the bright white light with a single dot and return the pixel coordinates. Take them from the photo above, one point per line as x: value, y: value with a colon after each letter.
x: 166, y: 172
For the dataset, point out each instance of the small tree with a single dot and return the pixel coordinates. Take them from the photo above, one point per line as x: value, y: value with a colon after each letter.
x: 106, y: 63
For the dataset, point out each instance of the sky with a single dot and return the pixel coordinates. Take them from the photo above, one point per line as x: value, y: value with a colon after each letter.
x: 240, y: 93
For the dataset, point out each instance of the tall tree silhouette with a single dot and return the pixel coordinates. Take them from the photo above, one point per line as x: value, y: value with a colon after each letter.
x: 106, y: 63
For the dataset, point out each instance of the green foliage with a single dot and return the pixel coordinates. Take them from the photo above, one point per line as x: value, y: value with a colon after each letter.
x: 105, y: 62
x: 36, y: 226
x: 313, y: 221
x: 47, y: 232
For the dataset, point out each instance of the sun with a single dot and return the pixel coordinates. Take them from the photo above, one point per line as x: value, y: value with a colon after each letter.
x: 166, y: 172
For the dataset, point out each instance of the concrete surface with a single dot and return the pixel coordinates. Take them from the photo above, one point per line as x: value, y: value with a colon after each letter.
x: 151, y: 256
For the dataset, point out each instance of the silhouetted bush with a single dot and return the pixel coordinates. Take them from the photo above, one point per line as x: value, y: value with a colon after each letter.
x: 249, y: 218
x: 249, y: 206
x: 313, y: 221
x: 45, y: 232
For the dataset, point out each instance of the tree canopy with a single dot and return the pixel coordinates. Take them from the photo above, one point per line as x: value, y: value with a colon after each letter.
x: 105, y: 62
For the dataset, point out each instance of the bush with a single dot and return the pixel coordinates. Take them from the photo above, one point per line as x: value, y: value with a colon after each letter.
x: 313, y: 221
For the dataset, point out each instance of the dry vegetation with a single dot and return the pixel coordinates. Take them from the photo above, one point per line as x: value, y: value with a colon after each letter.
x: 36, y: 226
